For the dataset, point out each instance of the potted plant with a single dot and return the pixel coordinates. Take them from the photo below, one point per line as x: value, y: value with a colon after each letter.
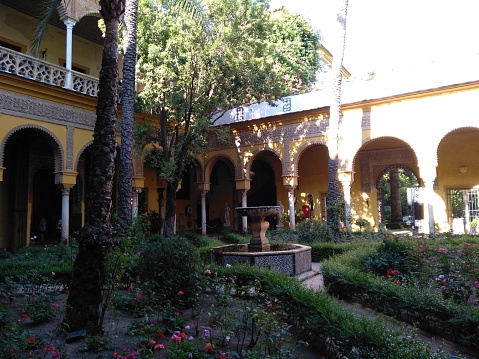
x: 473, y: 225
x: 362, y: 223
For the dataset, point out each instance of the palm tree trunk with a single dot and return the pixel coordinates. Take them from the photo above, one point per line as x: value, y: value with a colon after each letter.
x: 125, y: 188
x: 396, y: 210
x: 96, y: 238
x: 334, y: 194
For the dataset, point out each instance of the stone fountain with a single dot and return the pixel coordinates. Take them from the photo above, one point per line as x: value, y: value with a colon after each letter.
x: 286, y: 258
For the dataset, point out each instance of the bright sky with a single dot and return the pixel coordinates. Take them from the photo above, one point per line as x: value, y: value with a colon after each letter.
x: 390, y: 34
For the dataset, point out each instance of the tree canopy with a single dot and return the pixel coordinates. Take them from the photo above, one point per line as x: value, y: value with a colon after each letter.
x: 191, y: 74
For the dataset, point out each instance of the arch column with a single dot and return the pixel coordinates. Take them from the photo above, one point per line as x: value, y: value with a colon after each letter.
x: 66, y: 180
x: 291, y: 182
x: 1, y: 173
x: 428, y: 175
x: 69, y: 23
x: 244, y: 186
x: 204, y: 188
x: 138, y: 185
x: 346, y: 178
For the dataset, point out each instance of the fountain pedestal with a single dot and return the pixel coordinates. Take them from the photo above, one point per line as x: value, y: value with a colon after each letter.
x: 258, y: 226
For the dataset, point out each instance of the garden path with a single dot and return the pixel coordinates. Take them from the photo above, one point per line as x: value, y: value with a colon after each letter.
x: 314, y: 280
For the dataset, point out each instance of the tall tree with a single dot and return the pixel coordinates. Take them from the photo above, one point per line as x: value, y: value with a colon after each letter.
x: 191, y: 77
x: 125, y: 178
x: 125, y: 190
x: 96, y: 238
x: 334, y: 199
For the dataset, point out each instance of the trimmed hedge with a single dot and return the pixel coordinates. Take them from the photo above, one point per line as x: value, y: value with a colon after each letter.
x: 327, y: 325
x: 427, y: 310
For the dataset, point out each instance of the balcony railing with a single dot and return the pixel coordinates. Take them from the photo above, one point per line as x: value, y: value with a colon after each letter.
x: 35, y: 69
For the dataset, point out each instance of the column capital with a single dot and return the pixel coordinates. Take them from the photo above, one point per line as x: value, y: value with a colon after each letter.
x: 290, y: 181
x: 346, y: 176
x: 69, y: 21
x: 138, y: 183
x: 243, y: 184
x: 66, y: 179
x: 202, y: 186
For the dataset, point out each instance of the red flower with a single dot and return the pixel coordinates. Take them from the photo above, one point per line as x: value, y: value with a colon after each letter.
x: 31, y: 340
x: 151, y: 342
x: 138, y: 295
x: 209, y: 347
x: 180, y: 293
x: 24, y: 315
x: 11, y: 351
x: 207, y: 272
x: 49, y: 348
x: 160, y: 335
x: 223, y: 356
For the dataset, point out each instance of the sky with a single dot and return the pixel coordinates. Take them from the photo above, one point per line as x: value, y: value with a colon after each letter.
x: 385, y: 35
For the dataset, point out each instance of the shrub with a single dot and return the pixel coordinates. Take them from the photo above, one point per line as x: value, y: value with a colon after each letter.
x: 314, y: 231
x: 170, y: 266
x: 395, y: 255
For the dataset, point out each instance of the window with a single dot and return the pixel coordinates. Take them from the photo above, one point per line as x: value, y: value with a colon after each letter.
x: 76, y: 67
x: 463, y: 203
x: 12, y: 45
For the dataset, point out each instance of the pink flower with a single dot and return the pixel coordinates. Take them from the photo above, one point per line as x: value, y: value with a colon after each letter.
x: 131, y: 287
x: 138, y: 295
x: 56, y: 305
x: 476, y: 284
x: 466, y: 244
x: 158, y: 346
x: 207, y: 272
x: 151, y: 342
x: 180, y: 293
x: 442, y: 250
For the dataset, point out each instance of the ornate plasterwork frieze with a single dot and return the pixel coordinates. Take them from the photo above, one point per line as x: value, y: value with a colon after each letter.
x: 69, y: 159
x: 283, y: 134
x: 38, y: 109
x: 366, y: 120
x: 373, y: 163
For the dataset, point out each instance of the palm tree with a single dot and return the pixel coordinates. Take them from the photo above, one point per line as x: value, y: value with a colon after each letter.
x: 334, y: 198
x: 125, y: 177
x: 191, y: 7
x: 96, y: 238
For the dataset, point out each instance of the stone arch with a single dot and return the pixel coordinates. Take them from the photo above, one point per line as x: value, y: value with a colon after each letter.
x: 460, y: 128
x: 372, y: 163
x: 206, y: 173
x: 389, y: 168
x: 58, y: 150
x: 300, y: 151
x: 80, y: 153
x: 259, y: 151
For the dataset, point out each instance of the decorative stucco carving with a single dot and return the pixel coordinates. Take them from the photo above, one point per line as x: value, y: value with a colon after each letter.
x: 366, y: 120
x: 76, y: 9
x: 69, y: 159
x: 37, y: 109
x: 274, y: 134
x: 373, y: 163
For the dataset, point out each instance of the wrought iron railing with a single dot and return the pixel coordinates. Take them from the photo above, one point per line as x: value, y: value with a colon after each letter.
x: 35, y: 69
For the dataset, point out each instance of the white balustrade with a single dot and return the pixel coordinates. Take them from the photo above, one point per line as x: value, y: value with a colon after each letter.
x: 32, y: 68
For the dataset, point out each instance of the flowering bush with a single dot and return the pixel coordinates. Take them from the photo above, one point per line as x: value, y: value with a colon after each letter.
x: 454, y: 272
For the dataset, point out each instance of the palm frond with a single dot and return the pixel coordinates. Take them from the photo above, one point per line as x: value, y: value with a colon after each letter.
x: 192, y: 7
x: 47, y: 9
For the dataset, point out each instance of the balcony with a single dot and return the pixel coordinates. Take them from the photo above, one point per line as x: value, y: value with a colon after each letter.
x: 30, y: 67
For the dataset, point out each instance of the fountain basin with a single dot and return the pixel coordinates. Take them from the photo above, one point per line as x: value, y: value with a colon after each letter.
x: 290, y: 259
